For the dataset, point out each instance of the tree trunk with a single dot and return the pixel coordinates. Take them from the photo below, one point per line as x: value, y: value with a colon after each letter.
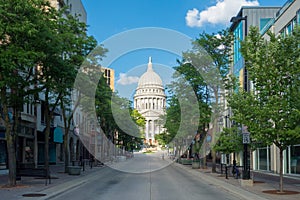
x: 281, y: 169
x: 10, y: 141
x: 47, y: 134
x: 215, y: 129
x: 67, y: 123
x: 213, y: 161
x: 66, y: 152
x: 213, y: 142
x: 203, y: 153
x: 175, y: 150
x: 35, y: 150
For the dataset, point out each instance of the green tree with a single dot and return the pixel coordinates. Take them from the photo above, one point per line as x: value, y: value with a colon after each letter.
x: 194, y: 78
x: 271, y: 111
x: 24, y: 27
x: 65, y: 48
x: 77, y: 45
x: 206, y: 70
x: 182, y: 113
x: 115, y: 115
x: 163, y: 138
x: 103, y: 109
x: 230, y: 141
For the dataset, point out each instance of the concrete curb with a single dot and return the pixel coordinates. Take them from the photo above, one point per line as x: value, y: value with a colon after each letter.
x: 69, y: 185
x: 236, y: 191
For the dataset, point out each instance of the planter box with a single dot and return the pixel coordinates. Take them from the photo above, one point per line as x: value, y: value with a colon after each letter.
x: 121, y: 158
x: 247, y: 183
x: 186, y: 161
x: 74, y: 170
x: 196, y: 164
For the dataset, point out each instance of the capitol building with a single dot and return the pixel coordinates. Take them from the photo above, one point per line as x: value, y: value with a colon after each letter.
x: 150, y: 101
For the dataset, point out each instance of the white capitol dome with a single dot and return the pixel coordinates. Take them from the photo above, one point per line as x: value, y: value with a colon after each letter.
x: 150, y: 101
x: 150, y: 78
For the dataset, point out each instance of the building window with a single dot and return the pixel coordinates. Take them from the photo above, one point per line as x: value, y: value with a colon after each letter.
x: 282, y: 33
x: 238, y: 37
x: 263, y: 158
x: 263, y: 22
x: 295, y: 159
x: 289, y: 28
x: 294, y: 22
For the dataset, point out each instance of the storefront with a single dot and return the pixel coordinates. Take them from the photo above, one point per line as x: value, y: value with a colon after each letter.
x: 3, y: 153
x: 263, y: 159
x: 3, y: 147
x: 267, y: 159
x: 292, y: 160
x: 55, y: 141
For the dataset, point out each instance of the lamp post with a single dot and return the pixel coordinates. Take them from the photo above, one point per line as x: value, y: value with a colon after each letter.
x: 246, y: 141
x: 246, y: 136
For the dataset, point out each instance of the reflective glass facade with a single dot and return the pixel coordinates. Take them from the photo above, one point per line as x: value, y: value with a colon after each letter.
x: 237, y: 58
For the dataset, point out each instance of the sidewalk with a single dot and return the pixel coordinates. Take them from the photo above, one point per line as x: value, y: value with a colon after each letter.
x: 262, y: 182
x: 36, y: 186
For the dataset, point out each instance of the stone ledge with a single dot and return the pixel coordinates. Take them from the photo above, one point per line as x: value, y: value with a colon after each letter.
x: 74, y: 170
x: 245, y: 182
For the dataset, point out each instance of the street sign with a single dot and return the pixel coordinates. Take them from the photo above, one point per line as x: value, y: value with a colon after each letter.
x: 246, y: 138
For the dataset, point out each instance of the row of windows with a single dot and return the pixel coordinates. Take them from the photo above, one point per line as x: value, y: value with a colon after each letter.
x: 106, y: 73
x: 150, y: 106
x: 291, y: 25
x: 238, y: 35
x: 150, y: 90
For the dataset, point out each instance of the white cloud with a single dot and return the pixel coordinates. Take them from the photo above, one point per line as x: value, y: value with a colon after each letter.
x: 127, y: 80
x: 220, y: 13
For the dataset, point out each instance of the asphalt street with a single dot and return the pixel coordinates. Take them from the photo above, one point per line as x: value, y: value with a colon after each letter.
x: 159, y: 180
x: 149, y: 177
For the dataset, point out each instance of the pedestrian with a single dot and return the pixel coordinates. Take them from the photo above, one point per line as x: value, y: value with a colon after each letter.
x: 237, y: 173
x: 92, y: 160
x: 80, y: 161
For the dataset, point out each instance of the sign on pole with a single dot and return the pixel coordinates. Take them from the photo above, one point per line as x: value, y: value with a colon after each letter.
x: 246, y: 138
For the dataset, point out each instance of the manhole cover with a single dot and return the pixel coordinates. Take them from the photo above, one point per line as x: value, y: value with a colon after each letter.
x: 258, y: 182
x: 33, y: 195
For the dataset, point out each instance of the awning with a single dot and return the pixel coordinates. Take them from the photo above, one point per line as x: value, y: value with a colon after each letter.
x: 58, y: 135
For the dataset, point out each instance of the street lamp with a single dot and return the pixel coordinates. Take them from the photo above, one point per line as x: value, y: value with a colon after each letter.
x: 246, y: 141
x: 246, y: 138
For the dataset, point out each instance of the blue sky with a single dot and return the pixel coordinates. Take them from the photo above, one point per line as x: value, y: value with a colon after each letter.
x: 110, y: 21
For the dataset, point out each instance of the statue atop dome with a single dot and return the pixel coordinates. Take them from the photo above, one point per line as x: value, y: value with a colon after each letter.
x: 150, y: 64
